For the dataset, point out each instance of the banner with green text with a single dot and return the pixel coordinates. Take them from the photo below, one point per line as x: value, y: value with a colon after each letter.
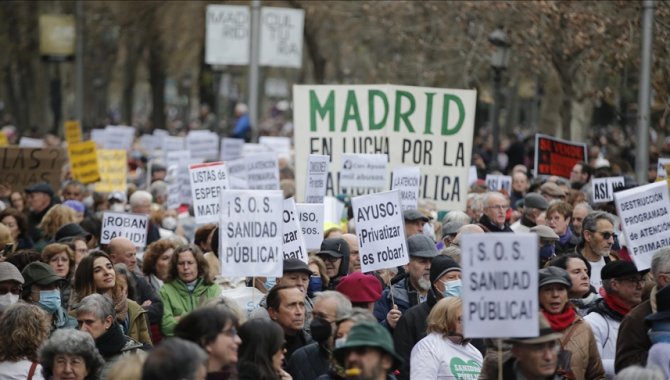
x: 415, y: 126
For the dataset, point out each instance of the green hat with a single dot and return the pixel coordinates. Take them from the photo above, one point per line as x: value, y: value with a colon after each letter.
x: 368, y: 334
x: 40, y: 273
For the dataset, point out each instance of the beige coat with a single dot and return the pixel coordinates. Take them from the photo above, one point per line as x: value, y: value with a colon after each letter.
x: 585, y: 362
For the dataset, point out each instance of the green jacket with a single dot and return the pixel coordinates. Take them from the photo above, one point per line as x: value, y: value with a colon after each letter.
x: 178, y: 301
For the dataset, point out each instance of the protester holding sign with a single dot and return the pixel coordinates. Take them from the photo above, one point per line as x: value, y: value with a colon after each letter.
x: 189, y: 285
x: 579, y: 354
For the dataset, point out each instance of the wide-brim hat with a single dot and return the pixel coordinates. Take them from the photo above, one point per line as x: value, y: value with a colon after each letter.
x: 368, y: 334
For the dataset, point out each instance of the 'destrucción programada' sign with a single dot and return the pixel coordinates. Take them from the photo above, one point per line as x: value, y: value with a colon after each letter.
x: 414, y: 126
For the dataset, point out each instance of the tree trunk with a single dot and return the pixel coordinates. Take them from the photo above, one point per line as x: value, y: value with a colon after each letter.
x: 157, y: 77
x: 134, y: 48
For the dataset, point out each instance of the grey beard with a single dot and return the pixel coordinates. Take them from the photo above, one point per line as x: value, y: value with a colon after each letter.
x: 424, y: 284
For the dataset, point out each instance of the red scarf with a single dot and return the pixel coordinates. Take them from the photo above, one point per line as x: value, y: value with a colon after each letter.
x: 561, y: 321
x: 614, y: 302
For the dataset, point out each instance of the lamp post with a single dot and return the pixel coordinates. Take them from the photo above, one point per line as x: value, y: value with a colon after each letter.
x: 499, y: 59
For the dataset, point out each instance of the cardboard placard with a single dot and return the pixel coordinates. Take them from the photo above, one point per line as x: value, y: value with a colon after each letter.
x: 84, y: 161
x: 294, y: 241
x: 113, y: 167
x: 555, y: 156
x: 207, y: 182
x: 22, y: 167
x: 381, y: 231
x: 407, y: 179
x: 500, y: 282
x: 644, y: 216
x: 251, y: 233
x: 603, y: 189
x: 317, y: 175
x: 310, y: 217
x: 416, y: 126
x: 366, y: 171
x: 134, y: 227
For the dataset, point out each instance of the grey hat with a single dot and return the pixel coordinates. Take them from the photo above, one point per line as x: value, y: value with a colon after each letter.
x: 544, y: 232
x: 413, y: 215
x: 296, y: 265
x: 535, y: 200
x: 8, y: 272
x: 451, y: 228
x: 420, y: 245
x: 40, y: 273
x: 554, y: 275
x: 551, y: 189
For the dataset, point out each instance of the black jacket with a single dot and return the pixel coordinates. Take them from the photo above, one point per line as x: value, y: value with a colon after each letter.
x: 488, y: 226
x: 308, y: 362
x: 294, y: 342
x: 344, y: 270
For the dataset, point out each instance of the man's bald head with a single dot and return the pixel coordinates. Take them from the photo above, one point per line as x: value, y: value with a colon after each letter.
x: 354, y: 258
x: 122, y: 250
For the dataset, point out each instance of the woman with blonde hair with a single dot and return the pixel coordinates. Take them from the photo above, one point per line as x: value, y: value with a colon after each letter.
x: 55, y: 218
x: 23, y: 328
x: 444, y: 353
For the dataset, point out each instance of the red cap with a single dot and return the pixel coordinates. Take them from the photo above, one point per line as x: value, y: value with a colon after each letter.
x: 359, y: 287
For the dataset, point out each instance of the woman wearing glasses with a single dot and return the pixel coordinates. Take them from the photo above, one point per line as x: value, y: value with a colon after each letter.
x: 214, y: 328
x: 10, y: 285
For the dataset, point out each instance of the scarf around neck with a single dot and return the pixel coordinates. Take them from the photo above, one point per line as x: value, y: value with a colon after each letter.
x: 563, y: 320
x: 111, y: 342
x: 614, y: 302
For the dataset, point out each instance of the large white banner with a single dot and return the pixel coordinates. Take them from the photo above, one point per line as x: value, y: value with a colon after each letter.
x: 380, y: 230
x: 415, y: 126
x: 207, y: 182
x: 251, y: 233
x: 281, y: 37
x: 500, y: 275
x: 644, y: 217
x: 227, y: 35
x: 134, y: 227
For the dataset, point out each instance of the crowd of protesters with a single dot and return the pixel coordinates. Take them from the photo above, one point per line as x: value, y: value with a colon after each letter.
x: 72, y: 308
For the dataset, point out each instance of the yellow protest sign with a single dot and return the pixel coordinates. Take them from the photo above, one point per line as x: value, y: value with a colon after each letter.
x: 84, y: 161
x: 113, y: 168
x: 3, y: 139
x: 72, y: 131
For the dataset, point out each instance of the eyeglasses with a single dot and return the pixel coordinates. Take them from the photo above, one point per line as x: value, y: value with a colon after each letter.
x: 231, y: 332
x: 499, y: 207
x: 16, y: 290
x: 606, y: 235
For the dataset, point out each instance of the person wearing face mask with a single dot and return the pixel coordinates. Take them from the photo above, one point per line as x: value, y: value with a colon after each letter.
x: 547, y: 239
x: 42, y: 287
x: 445, y: 278
x: 11, y: 283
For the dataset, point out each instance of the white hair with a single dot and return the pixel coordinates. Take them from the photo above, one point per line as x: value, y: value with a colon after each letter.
x: 140, y: 196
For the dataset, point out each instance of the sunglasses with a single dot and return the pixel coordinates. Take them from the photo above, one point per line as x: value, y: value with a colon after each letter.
x: 606, y: 235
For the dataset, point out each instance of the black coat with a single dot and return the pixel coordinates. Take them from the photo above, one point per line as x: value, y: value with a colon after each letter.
x: 410, y: 329
x: 308, y: 362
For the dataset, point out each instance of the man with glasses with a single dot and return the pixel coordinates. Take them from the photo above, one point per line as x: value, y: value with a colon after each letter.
x: 633, y: 343
x: 596, y: 244
x: 494, y: 218
x: 335, y: 254
x: 622, y: 285
x: 11, y: 283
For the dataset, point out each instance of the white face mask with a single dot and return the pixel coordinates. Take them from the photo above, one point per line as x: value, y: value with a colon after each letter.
x: 88, y: 201
x: 169, y: 223
x: 117, y: 207
x: 8, y: 299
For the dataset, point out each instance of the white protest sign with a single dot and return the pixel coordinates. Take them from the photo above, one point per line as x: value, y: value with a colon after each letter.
x: 406, y: 179
x: 332, y: 210
x: 310, y: 217
x: 251, y: 233
x: 227, y: 35
x: 246, y: 298
x: 277, y: 144
x: 416, y: 126
x: 380, y: 230
x: 160, y: 133
x: 294, y: 242
x: 150, y: 142
x: 172, y: 143
x: 231, y: 149
x: 363, y: 171
x: 174, y: 188
x: 250, y: 149
x: 263, y: 172
x: 134, y: 227
x: 237, y: 169
x: 603, y: 189
x: 181, y: 159
x: 207, y: 181
x: 499, y: 182
x: 660, y: 170
x: 203, y: 145
x: 29, y: 142
x: 119, y: 137
x: 281, y: 37
x: 472, y: 176
x: 500, y: 282
x: 317, y: 175
x: 99, y: 135
x: 644, y: 216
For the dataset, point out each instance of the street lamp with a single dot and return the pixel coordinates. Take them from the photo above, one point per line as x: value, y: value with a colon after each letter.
x: 499, y: 59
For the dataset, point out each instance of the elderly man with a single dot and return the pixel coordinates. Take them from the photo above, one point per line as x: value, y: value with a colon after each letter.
x: 622, y: 285
x: 335, y: 254
x: 40, y: 200
x: 533, y: 205
x: 368, y: 352
x: 413, y: 288
x: 495, y: 213
x: 286, y: 306
x: 520, y: 186
x: 632, y: 343
x: 580, y: 176
x: 414, y: 222
x: 445, y: 278
x: 140, y: 203
x: 311, y: 361
x: 597, y: 241
x: 354, y: 249
x: 579, y: 212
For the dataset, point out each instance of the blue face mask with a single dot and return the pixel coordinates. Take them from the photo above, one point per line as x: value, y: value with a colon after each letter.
x: 50, y: 300
x: 452, y: 288
x: 315, y: 285
x: 269, y: 282
x: 547, y: 251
